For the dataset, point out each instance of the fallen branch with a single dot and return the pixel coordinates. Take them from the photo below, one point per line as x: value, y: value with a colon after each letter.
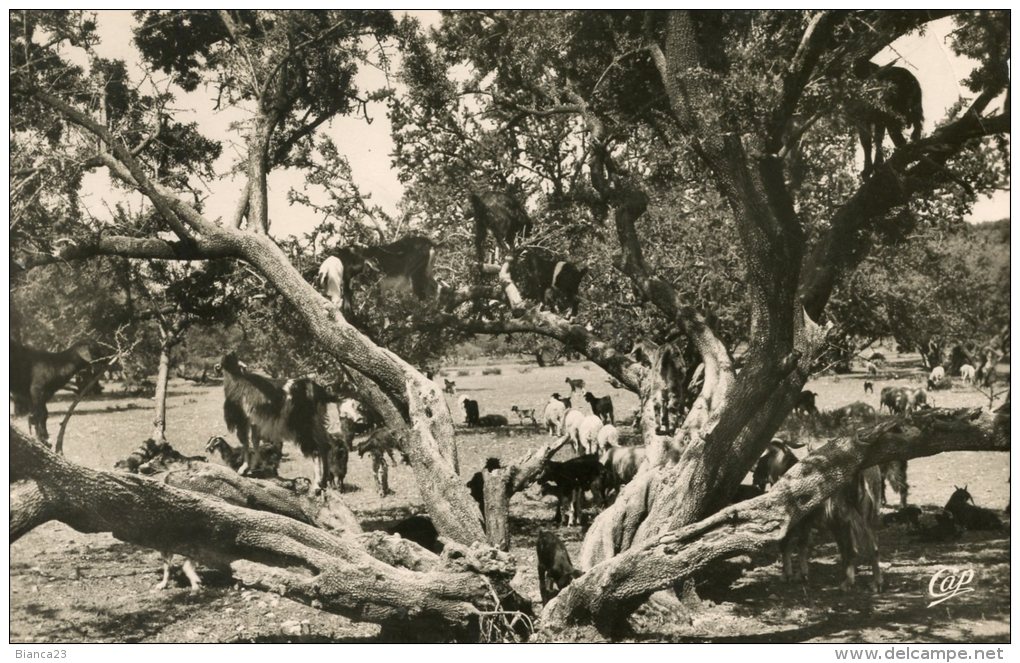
x: 334, y: 570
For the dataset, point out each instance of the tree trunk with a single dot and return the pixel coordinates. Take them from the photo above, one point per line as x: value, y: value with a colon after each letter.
x: 613, y: 588
x: 162, y: 381
x: 497, y: 508
x: 339, y: 572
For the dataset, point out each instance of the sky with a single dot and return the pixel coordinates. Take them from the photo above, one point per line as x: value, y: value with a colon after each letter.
x: 368, y: 145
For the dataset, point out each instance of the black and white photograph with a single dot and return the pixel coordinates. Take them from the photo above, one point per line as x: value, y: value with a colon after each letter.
x: 431, y: 326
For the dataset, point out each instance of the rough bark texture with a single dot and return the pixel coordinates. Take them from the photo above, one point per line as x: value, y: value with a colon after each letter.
x: 497, y: 508
x: 339, y: 572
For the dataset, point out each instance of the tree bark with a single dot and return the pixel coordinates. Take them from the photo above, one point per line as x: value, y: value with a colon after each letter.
x: 162, y: 381
x: 340, y: 573
x: 496, y: 488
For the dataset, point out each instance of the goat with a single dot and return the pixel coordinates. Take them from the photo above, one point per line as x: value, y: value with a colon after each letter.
x: 562, y: 399
x: 336, y: 462
x: 908, y: 515
x: 621, y: 465
x: 772, y: 464
x: 894, y: 398
x: 470, y: 411
x: 852, y: 515
x: 405, y: 264
x: 492, y: 421
x: 571, y: 427
x: 806, y: 403
x: 896, y: 105
x: 501, y: 215
x: 378, y: 445
x: 601, y: 406
x: 523, y: 414
x: 143, y: 457
x: 36, y: 375
x: 588, y: 434
x: 869, y: 387
x: 967, y: 373
x: 271, y: 411
x: 946, y: 528
x: 541, y: 276
x: 449, y: 386
x: 967, y: 514
x: 575, y: 385
x: 895, y: 474
x: 569, y: 480
x: 233, y: 457
x: 553, y: 415
x: 607, y: 438
x: 555, y: 570
x: 476, y: 484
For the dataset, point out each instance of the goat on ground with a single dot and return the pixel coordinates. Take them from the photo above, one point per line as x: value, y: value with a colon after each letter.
x: 601, y: 406
x: 555, y: 570
x: 969, y: 515
x: 553, y: 417
x: 523, y: 414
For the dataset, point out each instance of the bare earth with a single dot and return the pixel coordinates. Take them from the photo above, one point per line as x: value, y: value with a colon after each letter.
x: 72, y: 587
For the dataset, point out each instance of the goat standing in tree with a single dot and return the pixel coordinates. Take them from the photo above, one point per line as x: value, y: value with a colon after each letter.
x: 502, y: 216
x: 36, y: 375
x: 897, y: 104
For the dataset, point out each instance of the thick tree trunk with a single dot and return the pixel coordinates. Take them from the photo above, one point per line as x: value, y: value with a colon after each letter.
x: 613, y: 588
x: 345, y: 577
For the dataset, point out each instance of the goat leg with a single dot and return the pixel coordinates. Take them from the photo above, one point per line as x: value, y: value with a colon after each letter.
x: 162, y: 584
x: 189, y: 570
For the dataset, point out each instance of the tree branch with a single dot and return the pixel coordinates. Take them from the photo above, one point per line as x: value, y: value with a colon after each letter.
x: 817, y: 36
x: 345, y: 578
x: 133, y: 247
x: 845, y: 245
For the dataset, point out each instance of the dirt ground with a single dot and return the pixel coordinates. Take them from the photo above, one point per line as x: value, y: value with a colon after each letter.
x: 73, y: 587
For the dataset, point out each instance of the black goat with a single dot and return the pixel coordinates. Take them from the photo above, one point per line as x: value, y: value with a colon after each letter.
x: 419, y: 529
x: 895, y: 106
x: 555, y: 570
x: 470, y: 410
x: 501, y: 215
x: 968, y: 515
x: 568, y: 480
x: 233, y: 457
x: 601, y: 406
x: 806, y: 403
x: 36, y: 375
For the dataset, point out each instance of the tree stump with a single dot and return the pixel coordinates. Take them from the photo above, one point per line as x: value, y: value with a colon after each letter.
x: 497, y: 508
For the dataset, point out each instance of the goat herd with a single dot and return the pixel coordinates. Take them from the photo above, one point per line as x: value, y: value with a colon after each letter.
x: 264, y: 412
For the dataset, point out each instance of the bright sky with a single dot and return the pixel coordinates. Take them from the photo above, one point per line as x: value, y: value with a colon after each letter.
x: 368, y: 146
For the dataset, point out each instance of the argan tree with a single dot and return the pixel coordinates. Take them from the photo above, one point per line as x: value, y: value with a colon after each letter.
x: 733, y: 129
